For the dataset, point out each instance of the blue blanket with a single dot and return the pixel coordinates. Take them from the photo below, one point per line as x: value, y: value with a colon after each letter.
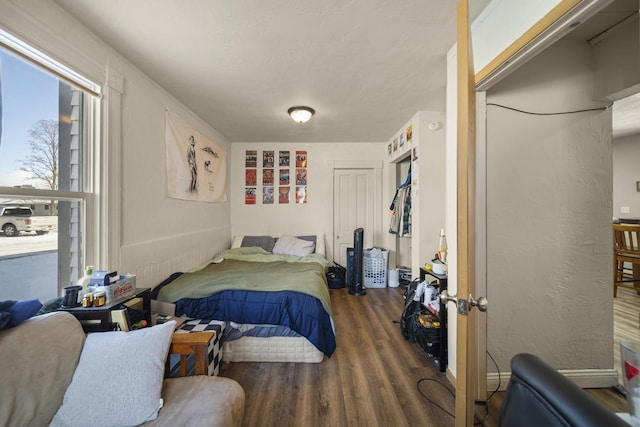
x: 252, y: 286
x: 299, y: 312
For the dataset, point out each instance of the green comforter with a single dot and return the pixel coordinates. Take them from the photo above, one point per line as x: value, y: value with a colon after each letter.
x: 252, y: 269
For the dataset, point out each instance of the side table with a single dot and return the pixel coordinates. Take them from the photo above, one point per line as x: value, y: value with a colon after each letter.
x: 98, y: 319
x: 441, y: 280
x: 196, y: 343
x: 192, y: 344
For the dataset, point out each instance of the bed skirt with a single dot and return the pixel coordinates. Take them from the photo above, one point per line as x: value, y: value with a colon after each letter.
x: 271, y: 349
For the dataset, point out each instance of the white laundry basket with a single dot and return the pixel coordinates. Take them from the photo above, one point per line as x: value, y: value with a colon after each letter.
x: 375, y: 268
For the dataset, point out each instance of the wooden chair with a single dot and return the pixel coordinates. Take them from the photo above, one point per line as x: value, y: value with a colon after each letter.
x: 626, y: 250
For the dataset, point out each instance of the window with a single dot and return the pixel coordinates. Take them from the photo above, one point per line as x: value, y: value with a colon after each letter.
x: 46, y: 149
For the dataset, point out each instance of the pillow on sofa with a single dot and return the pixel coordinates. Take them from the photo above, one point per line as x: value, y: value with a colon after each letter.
x: 290, y: 245
x: 118, y: 379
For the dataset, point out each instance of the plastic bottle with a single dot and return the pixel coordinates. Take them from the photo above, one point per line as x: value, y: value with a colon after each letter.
x: 84, y: 280
x: 442, y: 247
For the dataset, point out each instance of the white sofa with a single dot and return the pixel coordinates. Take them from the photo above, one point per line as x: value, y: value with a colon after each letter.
x: 39, y: 358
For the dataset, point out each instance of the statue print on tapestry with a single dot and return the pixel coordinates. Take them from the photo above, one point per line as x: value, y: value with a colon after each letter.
x: 193, y: 166
x: 196, y: 166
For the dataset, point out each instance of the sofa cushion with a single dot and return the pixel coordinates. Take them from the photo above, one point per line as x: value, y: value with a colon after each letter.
x: 38, y: 357
x: 118, y: 379
x: 201, y: 401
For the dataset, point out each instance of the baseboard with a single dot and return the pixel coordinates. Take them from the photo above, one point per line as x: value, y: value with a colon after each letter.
x: 584, y: 378
x: 451, y: 377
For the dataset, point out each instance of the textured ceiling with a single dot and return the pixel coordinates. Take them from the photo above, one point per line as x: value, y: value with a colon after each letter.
x: 365, y: 66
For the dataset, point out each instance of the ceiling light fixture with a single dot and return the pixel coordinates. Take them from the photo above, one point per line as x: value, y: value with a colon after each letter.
x: 301, y: 114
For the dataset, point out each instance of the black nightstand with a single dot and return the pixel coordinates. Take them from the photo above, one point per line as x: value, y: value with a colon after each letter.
x: 441, y: 280
x: 98, y: 319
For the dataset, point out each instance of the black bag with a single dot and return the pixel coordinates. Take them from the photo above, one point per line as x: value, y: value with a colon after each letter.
x: 412, y: 309
x: 336, y: 276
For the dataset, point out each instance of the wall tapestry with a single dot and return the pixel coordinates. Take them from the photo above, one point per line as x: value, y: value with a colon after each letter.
x: 196, y: 166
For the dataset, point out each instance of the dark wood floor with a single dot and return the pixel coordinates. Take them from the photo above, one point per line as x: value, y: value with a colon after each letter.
x: 374, y: 378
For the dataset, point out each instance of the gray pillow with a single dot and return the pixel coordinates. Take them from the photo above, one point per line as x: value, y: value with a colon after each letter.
x: 264, y: 242
x: 118, y: 379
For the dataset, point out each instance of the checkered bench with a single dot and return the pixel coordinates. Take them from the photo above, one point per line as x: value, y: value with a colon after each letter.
x: 214, y: 348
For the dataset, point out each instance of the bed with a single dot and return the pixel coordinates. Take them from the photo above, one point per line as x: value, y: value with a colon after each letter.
x: 270, y: 294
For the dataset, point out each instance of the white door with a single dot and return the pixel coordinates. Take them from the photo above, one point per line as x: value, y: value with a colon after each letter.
x: 353, y: 207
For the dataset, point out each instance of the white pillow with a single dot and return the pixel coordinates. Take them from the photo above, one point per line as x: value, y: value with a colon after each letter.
x: 290, y: 245
x: 118, y: 379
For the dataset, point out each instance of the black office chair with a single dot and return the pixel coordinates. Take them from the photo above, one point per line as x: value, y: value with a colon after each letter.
x: 538, y: 395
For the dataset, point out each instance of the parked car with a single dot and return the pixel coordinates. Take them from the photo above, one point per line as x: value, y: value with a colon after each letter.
x: 16, y: 219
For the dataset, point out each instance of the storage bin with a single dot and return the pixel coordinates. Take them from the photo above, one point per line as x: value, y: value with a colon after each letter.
x: 375, y: 268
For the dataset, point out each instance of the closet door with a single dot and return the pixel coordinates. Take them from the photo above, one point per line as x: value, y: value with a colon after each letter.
x: 354, y: 207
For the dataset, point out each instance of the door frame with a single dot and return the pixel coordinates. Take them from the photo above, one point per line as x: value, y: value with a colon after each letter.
x: 376, y: 166
x: 542, y: 34
x: 466, y: 221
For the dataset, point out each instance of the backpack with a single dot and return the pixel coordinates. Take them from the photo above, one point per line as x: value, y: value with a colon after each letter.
x: 408, y: 319
x: 336, y: 276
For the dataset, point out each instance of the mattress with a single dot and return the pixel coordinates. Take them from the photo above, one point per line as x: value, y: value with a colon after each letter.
x: 249, y: 285
x: 233, y: 286
x: 271, y: 349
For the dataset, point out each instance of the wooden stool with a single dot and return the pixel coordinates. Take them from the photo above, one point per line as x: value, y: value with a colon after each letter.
x: 196, y: 343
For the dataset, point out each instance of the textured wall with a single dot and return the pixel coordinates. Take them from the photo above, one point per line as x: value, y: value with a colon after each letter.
x: 549, y: 192
x: 315, y: 216
x: 156, y: 232
x: 626, y: 155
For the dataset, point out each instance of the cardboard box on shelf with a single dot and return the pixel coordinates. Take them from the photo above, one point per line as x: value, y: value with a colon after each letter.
x: 163, y: 312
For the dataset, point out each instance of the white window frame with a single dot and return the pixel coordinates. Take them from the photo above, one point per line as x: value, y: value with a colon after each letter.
x: 94, y: 244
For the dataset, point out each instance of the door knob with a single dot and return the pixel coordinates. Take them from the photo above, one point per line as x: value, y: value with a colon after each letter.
x: 445, y: 297
x: 464, y: 305
x: 480, y: 303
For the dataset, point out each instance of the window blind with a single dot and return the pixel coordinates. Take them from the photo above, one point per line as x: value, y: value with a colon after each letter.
x: 46, y: 63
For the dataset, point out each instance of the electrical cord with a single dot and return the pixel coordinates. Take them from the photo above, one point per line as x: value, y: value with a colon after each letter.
x: 486, y: 403
x: 452, y: 393
x: 549, y: 114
